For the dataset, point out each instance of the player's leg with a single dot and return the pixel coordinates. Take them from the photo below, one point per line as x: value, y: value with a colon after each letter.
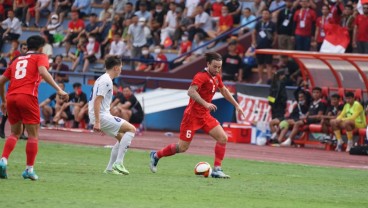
x: 336, y: 126
x: 293, y: 133
x: 76, y: 111
x: 349, y: 127
x: 220, y: 136
x: 2, y: 125
x: 113, y: 156
x: 284, y: 128
x: 274, y: 126
x: 46, y: 112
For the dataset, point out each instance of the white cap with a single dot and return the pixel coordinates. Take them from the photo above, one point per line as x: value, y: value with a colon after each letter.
x: 54, y: 16
x: 333, y: 1
x: 142, y: 19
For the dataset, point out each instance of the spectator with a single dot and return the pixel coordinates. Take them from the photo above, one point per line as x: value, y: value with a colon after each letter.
x: 137, y: 37
x: 21, y: 7
x: 63, y: 7
x: 336, y: 7
x: 351, y: 117
x: 128, y: 107
x: 304, y: 19
x: 75, y: 27
x: 5, y: 6
x: 314, y: 115
x: 264, y: 36
x: 117, y: 47
x: 92, y: 53
x: 104, y: 33
x: 47, y: 48
x: 277, y: 100
x: 143, y: 12
x: 107, y: 11
x: 257, y: 7
x: 333, y: 110
x: 182, y: 24
x: 299, y: 111
x: 249, y: 61
x: 170, y: 23
x: 224, y: 24
x: 234, y: 10
x: 320, y: 34
x: 145, y: 60
x: 3, y: 65
x: 157, y: 22
x: 127, y: 11
x: 82, y: 6
x: 185, y: 46
x: 347, y: 21
x: 55, y: 29
x: 360, y: 36
x: 12, y: 27
x: 202, y: 24
x: 77, y: 100
x: 285, y: 24
x: 216, y: 10
x: 276, y: 4
x: 51, y: 105
x: 232, y: 68
x: 14, y: 52
x: 78, y: 54
x: 292, y: 72
x: 92, y: 27
x: 248, y: 20
x: 190, y: 8
x: 160, y: 56
x: 41, y: 8
x: 23, y: 48
x: 60, y: 67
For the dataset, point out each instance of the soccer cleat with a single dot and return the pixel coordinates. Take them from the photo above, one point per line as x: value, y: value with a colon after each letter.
x: 349, y: 146
x: 286, y: 143
x: 120, y: 168
x: 113, y: 172
x: 30, y: 175
x: 153, y: 162
x: 3, y: 174
x: 218, y: 173
x: 339, y: 145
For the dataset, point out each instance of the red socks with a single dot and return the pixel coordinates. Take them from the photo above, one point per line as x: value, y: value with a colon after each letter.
x: 219, y: 153
x: 167, y: 151
x: 9, y: 146
x: 31, y: 150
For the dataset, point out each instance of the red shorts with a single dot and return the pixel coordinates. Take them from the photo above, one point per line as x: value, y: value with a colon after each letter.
x: 24, y: 108
x: 189, y: 125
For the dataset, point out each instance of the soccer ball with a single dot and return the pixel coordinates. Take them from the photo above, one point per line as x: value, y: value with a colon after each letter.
x: 203, y: 169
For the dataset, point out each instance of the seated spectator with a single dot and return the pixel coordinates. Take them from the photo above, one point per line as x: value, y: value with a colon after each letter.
x: 157, y: 22
x: 182, y: 24
x: 224, y: 24
x: 77, y: 55
x: 160, y: 56
x: 257, y: 7
x: 128, y: 107
x: 13, y: 52
x: 5, y: 6
x: 126, y: 12
x: 83, y: 7
x: 249, y: 62
x: 170, y: 23
x: 62, y: 7
x: 190, y: 8
x: 351, y: 117
x: 21, y: 7
x: 12, y: 28
x: 202, y: 24
x: 60, y: 67
x: 333, y: 110
x: 248, y: 19
x: 234, y: 8
x: 145, y: 60
x: 92, y: 53
x: 41, y: 8
x: 47, y: 48
x: 51, y: 105
x: 118, y: 47
x: 75, y: 26
x: 299, y: 111
x: 106, y: 12
x: 92, y: 27
x: 55, y: 29
x: 185, y: 46
x: 216, y: 10
x: 104, y: 31
x: 314, y: 115
x: 142, y: 12
x: 197, y: 42
x: 232, y: 64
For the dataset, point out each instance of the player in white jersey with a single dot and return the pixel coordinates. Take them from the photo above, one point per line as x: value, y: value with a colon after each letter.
x: 99, y: 114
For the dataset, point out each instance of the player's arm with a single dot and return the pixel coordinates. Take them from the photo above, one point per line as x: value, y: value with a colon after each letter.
x: 192, y: 93
x: 227, y: 95
x: 96, y: 109
x: 3, y: 81
x: 48, y: 78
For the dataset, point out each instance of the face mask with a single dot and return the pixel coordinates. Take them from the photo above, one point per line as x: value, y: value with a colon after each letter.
x: 218, y: 1
x: 140, y: 23
x: 158, y: 10
x: 157, y: 50
x: 301, y: 102
x: 184, y: 38
x: 145, y: 52
x: 92, y: 40
x: 54, y: 21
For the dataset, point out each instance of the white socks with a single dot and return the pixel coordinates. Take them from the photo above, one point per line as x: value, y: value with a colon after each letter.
x: 30, y: 169
x: 114, y: 154
x: 4, y: 160
x: 123, y: 146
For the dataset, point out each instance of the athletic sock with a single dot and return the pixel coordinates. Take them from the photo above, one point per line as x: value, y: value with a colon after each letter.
x: 123, y: 146
x: 349, y: 135
x: 4, y: 160
x: 113, y: 156
x: 31, y: 150
x: 167, y: 151
x: 10, y: 143
x: 3, y: 121
x: 338, y: 136
x: 29, y: 168
x: 219, y: 153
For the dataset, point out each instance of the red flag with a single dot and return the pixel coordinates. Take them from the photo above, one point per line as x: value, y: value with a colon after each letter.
x: 168, y: 42
x: 337, y: 39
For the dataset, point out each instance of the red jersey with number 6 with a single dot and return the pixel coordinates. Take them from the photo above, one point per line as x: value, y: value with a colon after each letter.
x: 23, y: 73
x: 207, y: 86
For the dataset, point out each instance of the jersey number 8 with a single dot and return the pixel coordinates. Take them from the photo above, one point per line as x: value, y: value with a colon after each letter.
x: 21, y: 69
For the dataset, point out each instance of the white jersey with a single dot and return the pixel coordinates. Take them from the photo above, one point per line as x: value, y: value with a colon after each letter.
x: 103, y: 86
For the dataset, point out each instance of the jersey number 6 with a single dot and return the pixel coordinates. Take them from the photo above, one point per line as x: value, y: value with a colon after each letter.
x: 21, y: 69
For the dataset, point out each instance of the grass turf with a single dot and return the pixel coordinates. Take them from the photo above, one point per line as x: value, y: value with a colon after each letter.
x: 71, y: 176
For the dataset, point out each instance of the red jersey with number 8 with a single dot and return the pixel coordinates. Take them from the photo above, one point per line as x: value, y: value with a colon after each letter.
x: 207, y: 87
x: 23, y: 73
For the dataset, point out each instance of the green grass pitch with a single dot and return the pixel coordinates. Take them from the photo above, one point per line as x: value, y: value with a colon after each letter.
x: 71, y: 176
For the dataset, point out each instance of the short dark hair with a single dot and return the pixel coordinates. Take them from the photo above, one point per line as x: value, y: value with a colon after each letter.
x: 23, y: 44
x: 210, y: 56
x: 266, y: 9
x: 77, y: 84
x: 335, y: 96
x: 247, y: 8
x: 349, y: 95
x: 129, y: 3
x: 93, y: 15
x: 35, y: 42
x: 317, y: 89
x: 349, y: 6
x: 111, y: 62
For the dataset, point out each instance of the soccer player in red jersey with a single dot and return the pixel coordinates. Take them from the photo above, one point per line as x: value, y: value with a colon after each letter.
x: 197, y: 115
x: 21, y: 103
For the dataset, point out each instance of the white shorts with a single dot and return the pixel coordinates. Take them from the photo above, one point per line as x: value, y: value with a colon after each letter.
x: 110, y: 125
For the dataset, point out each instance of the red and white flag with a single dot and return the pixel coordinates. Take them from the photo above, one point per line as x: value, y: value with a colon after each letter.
x: 360, y: 5
x: 337, y: 39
